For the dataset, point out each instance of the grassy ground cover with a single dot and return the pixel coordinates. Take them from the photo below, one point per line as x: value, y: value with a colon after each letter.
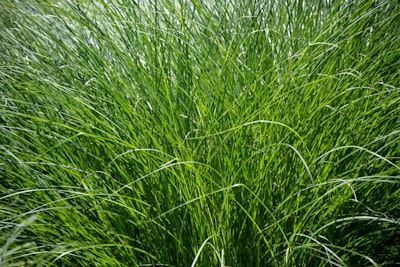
x: 199, y: 133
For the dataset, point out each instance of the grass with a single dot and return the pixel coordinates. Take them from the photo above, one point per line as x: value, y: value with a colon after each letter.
x: 201, y: 133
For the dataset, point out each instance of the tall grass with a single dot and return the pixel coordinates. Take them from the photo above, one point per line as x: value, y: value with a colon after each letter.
x: 199, y: 133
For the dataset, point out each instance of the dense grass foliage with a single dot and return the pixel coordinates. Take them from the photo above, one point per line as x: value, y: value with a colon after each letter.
x: 202, y: 133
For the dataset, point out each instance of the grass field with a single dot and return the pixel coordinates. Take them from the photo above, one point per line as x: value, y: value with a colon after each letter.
x: 199, y: 133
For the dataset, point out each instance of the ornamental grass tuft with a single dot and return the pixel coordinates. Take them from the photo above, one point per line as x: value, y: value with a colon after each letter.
x: 199, y: 133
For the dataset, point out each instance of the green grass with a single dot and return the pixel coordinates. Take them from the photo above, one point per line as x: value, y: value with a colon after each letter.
x: 199, y: 133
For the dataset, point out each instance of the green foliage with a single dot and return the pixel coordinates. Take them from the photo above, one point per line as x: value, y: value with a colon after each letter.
x: 202, y: 133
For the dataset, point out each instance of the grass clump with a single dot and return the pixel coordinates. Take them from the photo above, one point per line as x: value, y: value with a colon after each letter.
x: 202, y: 133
